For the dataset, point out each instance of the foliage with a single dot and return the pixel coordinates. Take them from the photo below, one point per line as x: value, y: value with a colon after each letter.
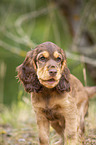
x: 24, y: 24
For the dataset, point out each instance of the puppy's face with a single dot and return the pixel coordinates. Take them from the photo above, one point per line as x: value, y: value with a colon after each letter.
x: 44, y: 66
x: 50, y: 62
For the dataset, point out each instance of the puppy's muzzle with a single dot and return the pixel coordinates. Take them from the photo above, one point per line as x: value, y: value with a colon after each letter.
x: 52, y: 69
x: 52, y: 72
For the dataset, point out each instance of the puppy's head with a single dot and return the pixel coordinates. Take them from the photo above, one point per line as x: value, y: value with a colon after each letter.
x: 45, y: 66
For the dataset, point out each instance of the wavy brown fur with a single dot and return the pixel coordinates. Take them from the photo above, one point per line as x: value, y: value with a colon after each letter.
x: 59, y: 98
x: 64, y: 84
x: 27, y: 75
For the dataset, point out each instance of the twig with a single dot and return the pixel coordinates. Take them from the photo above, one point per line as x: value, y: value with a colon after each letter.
x: 27, y: 16
x: 13, y: 49
x: 70, y: 55
x: 54, y: 26
x: 88, y: 50
x: 79, y: 58
x: 83, y: 21
x: 20, y: 40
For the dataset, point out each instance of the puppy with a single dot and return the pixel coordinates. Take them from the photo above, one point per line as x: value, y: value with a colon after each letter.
x: 59, y: 98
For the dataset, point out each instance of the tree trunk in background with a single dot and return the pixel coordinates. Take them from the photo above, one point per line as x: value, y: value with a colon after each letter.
x: 77, y: 13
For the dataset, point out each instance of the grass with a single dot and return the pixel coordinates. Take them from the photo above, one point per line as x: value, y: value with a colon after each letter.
x: 18, y: 125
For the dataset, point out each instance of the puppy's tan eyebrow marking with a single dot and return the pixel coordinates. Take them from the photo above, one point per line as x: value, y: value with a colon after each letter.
x: 44, y: 53
x: 56, y: 54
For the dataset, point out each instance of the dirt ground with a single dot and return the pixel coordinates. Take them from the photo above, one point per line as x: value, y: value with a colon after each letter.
x: 26, y: 136
x: 18, y: 126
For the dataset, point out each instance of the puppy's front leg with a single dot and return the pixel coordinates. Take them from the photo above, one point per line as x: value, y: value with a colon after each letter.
x: 71, y: 122
x: 43, y: 128
x: 71, y: 133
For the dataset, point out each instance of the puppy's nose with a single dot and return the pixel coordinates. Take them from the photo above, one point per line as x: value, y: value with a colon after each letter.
x: 52, y: 72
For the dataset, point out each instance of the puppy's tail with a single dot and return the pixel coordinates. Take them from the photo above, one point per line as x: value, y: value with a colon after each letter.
x: 91, y: 91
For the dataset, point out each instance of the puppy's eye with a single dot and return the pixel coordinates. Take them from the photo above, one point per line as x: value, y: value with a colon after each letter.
x: 42, y: 58
x: 58, y: 59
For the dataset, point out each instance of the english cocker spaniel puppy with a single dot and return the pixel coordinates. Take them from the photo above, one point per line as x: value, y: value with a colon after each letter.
x: 59, y: 98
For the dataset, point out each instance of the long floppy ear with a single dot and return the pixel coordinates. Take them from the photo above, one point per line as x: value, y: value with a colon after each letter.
x: 64, y: 84
x: 27, y: 73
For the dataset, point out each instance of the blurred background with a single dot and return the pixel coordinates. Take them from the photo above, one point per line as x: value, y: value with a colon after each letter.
x: 71, y: 24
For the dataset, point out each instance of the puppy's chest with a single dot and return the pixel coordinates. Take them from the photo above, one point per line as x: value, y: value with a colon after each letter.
x: 49, y: 106
x: 51, y: 113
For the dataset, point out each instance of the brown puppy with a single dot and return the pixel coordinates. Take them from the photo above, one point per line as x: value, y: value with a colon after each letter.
x: 58, y: 97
